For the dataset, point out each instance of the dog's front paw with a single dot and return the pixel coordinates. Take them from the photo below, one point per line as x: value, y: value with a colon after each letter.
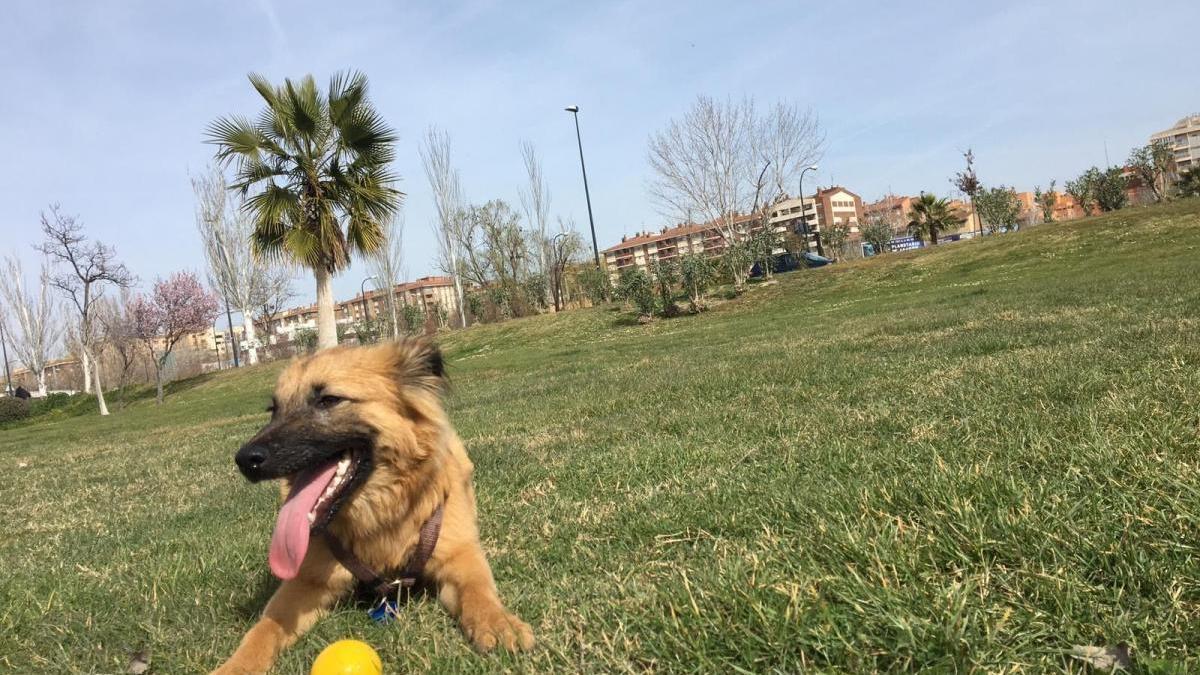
x: 496, y: 627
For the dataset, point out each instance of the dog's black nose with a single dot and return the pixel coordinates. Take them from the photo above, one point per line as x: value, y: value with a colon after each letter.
x: 250, y: 459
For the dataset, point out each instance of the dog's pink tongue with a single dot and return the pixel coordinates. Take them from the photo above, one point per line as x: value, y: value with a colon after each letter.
x: 289, y: 543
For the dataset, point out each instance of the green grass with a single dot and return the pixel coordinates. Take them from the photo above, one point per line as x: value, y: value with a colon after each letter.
x: 962, y: 459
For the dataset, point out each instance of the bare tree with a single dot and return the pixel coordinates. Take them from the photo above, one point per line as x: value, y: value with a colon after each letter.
x: 38, y: 330
x: 703, y: 161
x: 387, y: 265
x: 85, y: 268
x: 447, y: 196
x: 968, y: 183
x: 241, y: 277
x: 786, y: 140
x: 723, y: 159
x: 119, y: 333
x: 535, y: 201
x: 277, y: 292
x: 564, y: 248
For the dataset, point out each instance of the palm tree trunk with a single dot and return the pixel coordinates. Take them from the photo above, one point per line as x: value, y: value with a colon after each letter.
x: 326, y: 324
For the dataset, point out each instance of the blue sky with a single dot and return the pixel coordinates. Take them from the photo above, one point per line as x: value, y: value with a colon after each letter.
x: 105, y: 103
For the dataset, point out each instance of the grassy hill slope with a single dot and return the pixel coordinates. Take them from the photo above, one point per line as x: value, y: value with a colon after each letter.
x: 970, y: 457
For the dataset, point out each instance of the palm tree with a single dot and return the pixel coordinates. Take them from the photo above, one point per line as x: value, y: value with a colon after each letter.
x: 313, y: 169
x: 929, y: 216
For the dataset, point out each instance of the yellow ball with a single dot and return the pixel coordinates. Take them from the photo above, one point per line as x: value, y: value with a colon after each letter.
x: 348, y: 657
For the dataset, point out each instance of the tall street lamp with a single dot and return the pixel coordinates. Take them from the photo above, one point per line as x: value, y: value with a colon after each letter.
x: 362, y: 290
x: 574, y: 110
x: 804, y: 214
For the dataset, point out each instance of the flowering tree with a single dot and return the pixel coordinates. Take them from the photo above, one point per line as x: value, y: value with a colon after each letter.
x: 178, y: 305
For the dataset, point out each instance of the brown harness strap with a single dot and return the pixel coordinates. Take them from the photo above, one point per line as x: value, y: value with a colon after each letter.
x: 412, y: 570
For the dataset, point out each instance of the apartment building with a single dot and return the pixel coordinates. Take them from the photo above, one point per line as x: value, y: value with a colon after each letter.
x: 895, y: 210
x: 892, y: 209
x: 1184, y: 141
x: 428, y: 293
x: 63, y: 374
x: 1065, y: 207
x: 836, y: 204
x: 209, y: 340
x: 643, y: 249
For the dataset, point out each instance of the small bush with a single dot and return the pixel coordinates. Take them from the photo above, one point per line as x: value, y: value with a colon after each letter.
x: 51, y: 402
x: 666, y: 275
x: 305, y: 339
x: 13, y: 409
x: 636, y: 288
x: 596, y: 285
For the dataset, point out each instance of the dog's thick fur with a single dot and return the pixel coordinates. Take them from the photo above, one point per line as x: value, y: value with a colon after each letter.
x: 392, y: 392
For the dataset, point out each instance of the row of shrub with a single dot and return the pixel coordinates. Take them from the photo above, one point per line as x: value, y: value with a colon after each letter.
x: 15, y: 411
x: 689, y: 277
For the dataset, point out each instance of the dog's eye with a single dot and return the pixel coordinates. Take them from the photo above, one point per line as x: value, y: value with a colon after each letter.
x: 328, y: 401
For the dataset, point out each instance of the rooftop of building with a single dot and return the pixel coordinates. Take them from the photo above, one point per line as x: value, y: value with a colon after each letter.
x: 1184, y: 123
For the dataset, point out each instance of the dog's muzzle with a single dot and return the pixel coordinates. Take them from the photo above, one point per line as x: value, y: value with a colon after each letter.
x: 250, y: 460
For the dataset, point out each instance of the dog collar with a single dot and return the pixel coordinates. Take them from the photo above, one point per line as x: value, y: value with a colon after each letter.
x: 380, y: 585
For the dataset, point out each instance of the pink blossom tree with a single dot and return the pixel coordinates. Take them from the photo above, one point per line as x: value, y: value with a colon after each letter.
x: 178, y: 305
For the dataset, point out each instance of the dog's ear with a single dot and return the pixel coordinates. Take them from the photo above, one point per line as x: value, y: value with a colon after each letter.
x: 419, y: 363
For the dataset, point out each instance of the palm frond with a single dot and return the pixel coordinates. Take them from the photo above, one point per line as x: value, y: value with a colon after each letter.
x: 364, y: 132
x: 234, y: 137
x: 264, y: 88
x: 268, y: 243
x: 304, y: 246
x: 364, y: 233
x: 347, y: 90
x: 273, y: 207
x: 305, y: 109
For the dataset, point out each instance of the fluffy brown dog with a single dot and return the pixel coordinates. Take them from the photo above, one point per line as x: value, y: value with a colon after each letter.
x: 363, y: 443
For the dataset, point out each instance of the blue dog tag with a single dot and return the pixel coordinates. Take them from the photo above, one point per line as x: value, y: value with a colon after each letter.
x: 386, y: 611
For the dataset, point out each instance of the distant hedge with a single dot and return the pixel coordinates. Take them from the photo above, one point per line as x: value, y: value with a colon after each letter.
x: 13, y: 409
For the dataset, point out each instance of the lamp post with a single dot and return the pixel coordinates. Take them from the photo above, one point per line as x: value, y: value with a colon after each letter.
x: 574, y: 110
x: 216, y: 346
x: 8, y: 388
x: 362, y: 290
x: 804, y: 214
